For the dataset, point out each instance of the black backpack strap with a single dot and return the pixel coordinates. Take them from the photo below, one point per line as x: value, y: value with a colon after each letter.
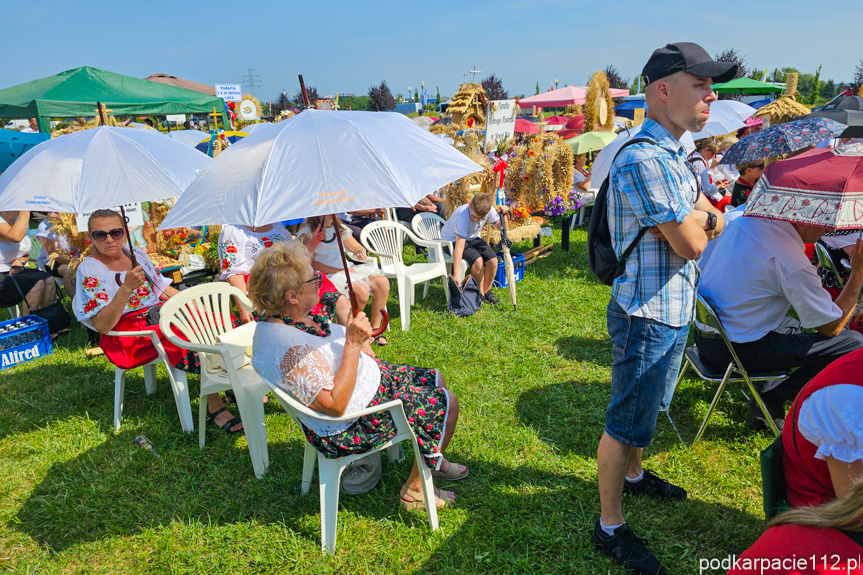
x: 628, y: 251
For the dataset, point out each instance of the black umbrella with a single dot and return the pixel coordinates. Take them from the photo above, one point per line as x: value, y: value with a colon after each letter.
x: 852, y: 132
x: 847, y: 117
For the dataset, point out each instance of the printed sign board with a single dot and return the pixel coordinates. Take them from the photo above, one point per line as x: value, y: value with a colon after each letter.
x: 229, y: 92
x: 500, y: 123
x: 134, y: 216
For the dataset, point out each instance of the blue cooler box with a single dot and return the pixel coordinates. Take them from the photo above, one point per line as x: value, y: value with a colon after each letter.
x: 24, y: 339
x: 518, y: 269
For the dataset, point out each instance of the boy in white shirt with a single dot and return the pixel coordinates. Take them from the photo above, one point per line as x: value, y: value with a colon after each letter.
x: 462, y: 229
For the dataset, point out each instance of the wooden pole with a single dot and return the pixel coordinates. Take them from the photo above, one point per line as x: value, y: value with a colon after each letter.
x: 355, y: 307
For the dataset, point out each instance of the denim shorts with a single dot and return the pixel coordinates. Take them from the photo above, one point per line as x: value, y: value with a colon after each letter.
x: 646, y: 359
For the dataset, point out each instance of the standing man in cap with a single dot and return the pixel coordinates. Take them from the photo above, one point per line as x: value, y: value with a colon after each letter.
x: 653, y: 302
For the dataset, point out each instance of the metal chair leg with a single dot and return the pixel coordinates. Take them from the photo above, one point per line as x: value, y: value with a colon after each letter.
x: 713, y: 403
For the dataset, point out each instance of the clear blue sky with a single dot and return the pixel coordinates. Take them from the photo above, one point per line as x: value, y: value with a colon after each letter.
x: 349, y: 46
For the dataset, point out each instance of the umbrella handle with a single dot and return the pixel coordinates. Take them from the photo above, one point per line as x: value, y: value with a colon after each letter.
x: 385, y: 321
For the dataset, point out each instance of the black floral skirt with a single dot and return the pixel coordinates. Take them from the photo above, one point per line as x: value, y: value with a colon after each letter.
x: 426, y: 407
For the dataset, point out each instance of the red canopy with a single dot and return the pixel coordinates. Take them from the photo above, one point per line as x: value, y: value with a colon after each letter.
x: 525, y: 127
x: 563, y: 97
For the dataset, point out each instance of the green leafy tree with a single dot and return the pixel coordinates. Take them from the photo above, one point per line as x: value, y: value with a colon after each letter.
x: 816, y: 87
x: 537, y: 88
x: 829, y: 92
x: 437, y: 95
x: 633, y: 88
x: 858, y: 74
x: 732, y: 55
x: 416, y: 95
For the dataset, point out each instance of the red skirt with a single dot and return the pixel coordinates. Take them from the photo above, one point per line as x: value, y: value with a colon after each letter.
x: 130, y: 352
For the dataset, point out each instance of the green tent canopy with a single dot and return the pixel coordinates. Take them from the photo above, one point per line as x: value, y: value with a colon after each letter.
x: 745, y: 86
x: 74, y: 93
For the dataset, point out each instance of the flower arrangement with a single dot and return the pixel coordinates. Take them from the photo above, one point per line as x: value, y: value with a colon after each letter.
x: 521, y: 213
x: 539, y: 171
x: 559, y: 208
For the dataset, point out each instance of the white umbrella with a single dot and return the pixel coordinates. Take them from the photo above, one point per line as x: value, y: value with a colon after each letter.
x: 602, y: 164
x: 731, y: 109
x: 318, y: 163
x: 189, y: 137
x: 98, y: 168
x: 251, y: 128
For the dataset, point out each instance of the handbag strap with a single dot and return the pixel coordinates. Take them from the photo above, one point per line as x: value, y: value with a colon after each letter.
x: 18, y: 287
x: 24, y: 298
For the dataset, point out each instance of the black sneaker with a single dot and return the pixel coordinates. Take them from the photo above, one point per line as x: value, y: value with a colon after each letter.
x: 627, y: 549
x: 491, y: 298
x: 654, y: 486
x: 755, y: 417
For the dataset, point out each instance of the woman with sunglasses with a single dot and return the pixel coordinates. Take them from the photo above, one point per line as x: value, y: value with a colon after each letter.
x: 325, y: 367
x: 15, y: 278
x: 113, y: 295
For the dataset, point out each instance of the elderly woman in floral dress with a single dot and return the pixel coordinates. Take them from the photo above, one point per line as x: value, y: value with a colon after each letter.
x: 324, y: 367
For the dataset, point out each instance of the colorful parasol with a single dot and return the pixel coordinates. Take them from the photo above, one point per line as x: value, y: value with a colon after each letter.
x: 782, y: 139
x: 819, y: 188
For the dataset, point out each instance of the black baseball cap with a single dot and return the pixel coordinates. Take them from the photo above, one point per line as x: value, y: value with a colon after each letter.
x: 686, y: 57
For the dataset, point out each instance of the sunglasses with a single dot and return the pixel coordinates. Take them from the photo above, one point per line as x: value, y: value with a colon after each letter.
x: 473, y: 217
x: 758, y: 166
x: 318, y: 280
x: 101, y: 235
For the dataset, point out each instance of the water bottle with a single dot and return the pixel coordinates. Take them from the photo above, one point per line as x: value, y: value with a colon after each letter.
x: 144, y: 443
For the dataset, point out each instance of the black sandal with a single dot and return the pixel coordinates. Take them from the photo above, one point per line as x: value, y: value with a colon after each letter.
x: 211, y: 419
x: 377, y: 340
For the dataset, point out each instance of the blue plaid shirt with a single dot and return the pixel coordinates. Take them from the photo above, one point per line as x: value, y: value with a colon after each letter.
x: 650, y: 185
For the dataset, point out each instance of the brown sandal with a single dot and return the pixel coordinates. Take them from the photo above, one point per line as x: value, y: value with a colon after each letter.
x: 419, y: 503
x: 454, y: 473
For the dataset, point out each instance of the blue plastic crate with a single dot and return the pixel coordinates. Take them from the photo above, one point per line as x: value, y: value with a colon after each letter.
x: 518, y: 269
x: 24, y: 343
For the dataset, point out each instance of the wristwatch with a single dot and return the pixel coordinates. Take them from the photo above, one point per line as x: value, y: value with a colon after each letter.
x: 711, y: 221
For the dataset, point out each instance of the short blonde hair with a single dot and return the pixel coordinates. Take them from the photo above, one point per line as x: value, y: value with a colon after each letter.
x: 481, y: 203
x: 278, y: 270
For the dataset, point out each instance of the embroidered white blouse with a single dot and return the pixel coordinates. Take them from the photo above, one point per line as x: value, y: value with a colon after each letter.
x: 240, y: 246
x: 97, y: 286
x: 303, y: 365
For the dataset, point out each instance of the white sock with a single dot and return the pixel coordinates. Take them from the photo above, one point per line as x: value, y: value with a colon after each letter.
x: 636, y: 479
x: 608, y: 529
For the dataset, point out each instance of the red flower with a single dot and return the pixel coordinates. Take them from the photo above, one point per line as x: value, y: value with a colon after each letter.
x: 102, y: 296
x: 411, y: 419
x: 90, y: 305
x: 143, y: 291
x: 225, y: 264
x: 230, y: 249
x: 432, y: 400
x: 356, y: 440
x: 420, y: 441
x: 268, y: 244
x: 134, y: 301
x: 375, y: 422
x: 421, y: 411
x: 91, y: 282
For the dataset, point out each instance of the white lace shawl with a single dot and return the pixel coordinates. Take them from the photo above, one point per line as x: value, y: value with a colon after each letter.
x: 303, y: 364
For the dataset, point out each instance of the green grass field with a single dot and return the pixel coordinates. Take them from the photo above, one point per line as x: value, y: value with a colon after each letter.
x: 75, y: 497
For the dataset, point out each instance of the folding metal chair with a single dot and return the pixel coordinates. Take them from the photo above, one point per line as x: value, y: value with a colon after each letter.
x: 734, y: 373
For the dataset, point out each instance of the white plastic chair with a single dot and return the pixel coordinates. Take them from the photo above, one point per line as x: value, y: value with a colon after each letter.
x: 428, y: 226
x: 330, y: 470
x: 386, y: 240
x: 202, y: 314
x: 177, y: 377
